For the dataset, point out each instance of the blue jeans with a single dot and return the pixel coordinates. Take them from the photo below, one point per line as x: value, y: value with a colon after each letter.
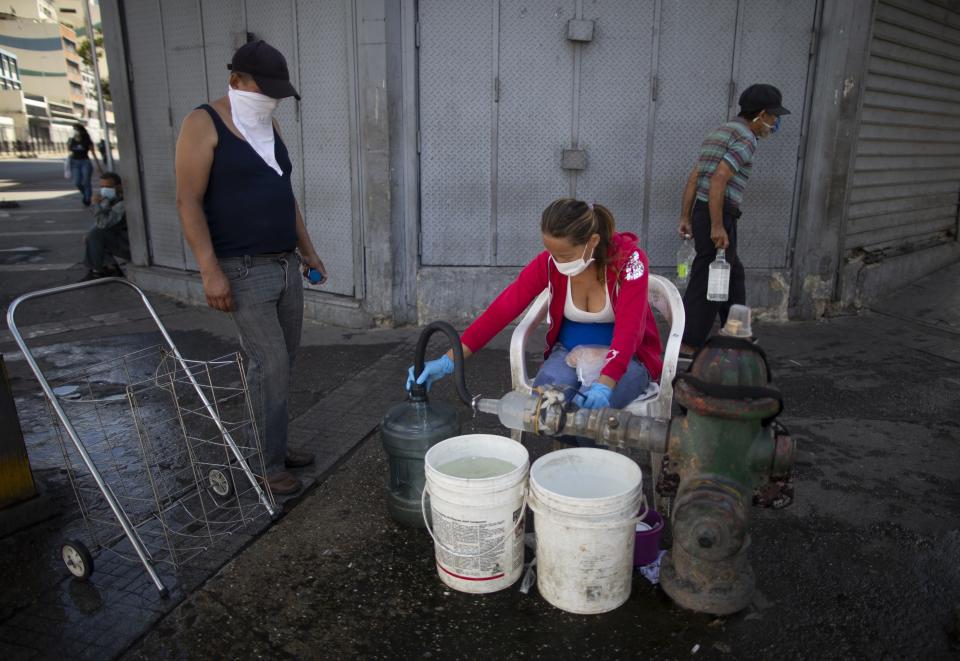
x: 556, y: 372
x: 268, y: 313
x: 82, y: 170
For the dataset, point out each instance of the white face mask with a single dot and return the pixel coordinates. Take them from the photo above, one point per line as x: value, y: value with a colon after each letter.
x: 252, y: 114
x: 577, y: 266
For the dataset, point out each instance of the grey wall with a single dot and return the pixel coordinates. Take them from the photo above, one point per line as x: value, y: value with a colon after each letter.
x: 372, y: 149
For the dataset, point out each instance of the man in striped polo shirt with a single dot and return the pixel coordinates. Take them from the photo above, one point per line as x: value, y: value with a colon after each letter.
x: 711, y: 205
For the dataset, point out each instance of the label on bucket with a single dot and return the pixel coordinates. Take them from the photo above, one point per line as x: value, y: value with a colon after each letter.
x: 471, y: 537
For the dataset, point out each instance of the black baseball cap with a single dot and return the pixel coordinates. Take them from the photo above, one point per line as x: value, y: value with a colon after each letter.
x: 762, y: 97
x: 267, y: 66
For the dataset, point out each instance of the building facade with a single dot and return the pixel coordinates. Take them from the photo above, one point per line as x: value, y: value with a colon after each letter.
x: 39, y: 57
x: 432, y: 133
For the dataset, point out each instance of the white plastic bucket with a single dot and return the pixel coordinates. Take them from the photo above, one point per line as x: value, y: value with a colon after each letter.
x: 477, y: 522
x: 586, y: 503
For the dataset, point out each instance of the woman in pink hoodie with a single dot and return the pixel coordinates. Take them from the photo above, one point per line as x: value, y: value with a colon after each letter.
x: 597, y: 278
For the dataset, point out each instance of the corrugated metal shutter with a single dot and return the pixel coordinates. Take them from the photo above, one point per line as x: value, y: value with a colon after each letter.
x: 907, y: 173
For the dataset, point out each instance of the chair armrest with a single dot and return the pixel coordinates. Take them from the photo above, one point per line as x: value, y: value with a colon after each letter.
x: 534, y: 316
x: 671, y: 354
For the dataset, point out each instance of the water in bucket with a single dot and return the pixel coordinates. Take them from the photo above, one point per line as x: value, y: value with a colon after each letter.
x: 475, y: 468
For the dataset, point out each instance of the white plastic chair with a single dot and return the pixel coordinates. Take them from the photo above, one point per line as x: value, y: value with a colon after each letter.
x: 657, y: 400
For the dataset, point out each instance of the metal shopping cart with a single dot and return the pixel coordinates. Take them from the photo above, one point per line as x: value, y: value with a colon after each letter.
x: 162, y: 452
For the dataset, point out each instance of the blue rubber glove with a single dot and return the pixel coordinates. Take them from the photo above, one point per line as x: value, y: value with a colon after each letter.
x: 597, y: 397
x: 433, y: 371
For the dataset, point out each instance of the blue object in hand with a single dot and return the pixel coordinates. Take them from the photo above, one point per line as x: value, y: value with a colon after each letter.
x: 433, y: 370
x: 597, y: 397
x: 315, y: 277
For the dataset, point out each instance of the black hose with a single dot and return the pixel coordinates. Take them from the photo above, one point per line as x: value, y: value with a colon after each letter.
x: 419, y: 391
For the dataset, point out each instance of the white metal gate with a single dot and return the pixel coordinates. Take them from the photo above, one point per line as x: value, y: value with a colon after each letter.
x: 504, y: 92
x: 178, y: 52
x: 907, y: 173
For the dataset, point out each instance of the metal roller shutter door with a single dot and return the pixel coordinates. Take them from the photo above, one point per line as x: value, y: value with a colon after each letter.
x: 906, y: 177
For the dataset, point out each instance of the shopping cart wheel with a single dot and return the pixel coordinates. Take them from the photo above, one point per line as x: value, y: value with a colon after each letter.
x: 77, y: 558
x: 220, y: 483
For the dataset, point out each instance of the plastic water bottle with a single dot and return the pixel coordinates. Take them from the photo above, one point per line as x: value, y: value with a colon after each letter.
x: 685, y: 255
x: 718, y: 284
x: 315, y: 277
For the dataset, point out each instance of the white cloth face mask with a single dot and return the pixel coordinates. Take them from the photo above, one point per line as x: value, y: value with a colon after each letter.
x: 576, y: 267
x: 252, y: 114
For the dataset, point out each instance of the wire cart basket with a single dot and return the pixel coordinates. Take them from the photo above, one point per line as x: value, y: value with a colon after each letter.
x: 162, y: 452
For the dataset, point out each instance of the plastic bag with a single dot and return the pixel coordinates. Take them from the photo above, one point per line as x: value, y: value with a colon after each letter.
x: 67, y: 171
x: 589, y: 360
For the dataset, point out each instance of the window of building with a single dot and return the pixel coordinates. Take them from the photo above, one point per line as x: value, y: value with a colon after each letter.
x: 3, y: 65
x: 69, y: 46
x: 76, y: 88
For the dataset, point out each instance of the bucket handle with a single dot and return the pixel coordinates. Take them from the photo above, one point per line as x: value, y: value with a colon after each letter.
x: 423, y: 511
x: 645, y: 508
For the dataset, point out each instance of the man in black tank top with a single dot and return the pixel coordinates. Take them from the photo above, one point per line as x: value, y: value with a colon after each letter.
x: 242, y: 222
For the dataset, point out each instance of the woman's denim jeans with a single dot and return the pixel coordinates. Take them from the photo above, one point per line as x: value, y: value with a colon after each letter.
x: 556, y: 372
x: 82, y: 170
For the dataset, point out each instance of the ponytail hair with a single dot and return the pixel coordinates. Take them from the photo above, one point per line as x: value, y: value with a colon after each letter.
x: 577, y: 221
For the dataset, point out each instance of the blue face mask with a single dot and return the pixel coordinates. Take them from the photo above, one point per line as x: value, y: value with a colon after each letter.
x: 108, y: 193
x: 773, y: 127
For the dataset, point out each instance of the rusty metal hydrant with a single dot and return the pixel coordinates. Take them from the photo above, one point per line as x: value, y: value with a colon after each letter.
x: 723, y: 455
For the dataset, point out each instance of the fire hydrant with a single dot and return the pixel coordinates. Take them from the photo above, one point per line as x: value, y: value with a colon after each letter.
x: 722, y: 456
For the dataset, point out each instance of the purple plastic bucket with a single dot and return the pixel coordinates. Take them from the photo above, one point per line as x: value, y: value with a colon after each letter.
x: 647, y: 547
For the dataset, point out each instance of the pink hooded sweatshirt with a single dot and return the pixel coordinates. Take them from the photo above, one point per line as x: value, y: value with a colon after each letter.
x: 634, y: 329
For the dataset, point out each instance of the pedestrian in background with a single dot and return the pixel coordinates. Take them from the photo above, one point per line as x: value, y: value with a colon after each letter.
x: 81, y: 148
x: 244, y: 227
x: 711, y: 206
x: 108, y: 237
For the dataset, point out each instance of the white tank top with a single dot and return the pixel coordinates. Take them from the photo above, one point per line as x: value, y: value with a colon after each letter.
x: 573, y: 313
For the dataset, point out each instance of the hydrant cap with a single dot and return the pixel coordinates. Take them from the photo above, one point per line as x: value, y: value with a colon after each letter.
x: 730, y: 378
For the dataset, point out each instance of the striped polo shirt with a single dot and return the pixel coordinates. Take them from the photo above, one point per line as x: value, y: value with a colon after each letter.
x: 734, y: 143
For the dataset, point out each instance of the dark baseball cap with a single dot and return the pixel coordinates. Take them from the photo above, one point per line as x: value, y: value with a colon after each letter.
x: 762, y: 97
x: 267, y: 66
